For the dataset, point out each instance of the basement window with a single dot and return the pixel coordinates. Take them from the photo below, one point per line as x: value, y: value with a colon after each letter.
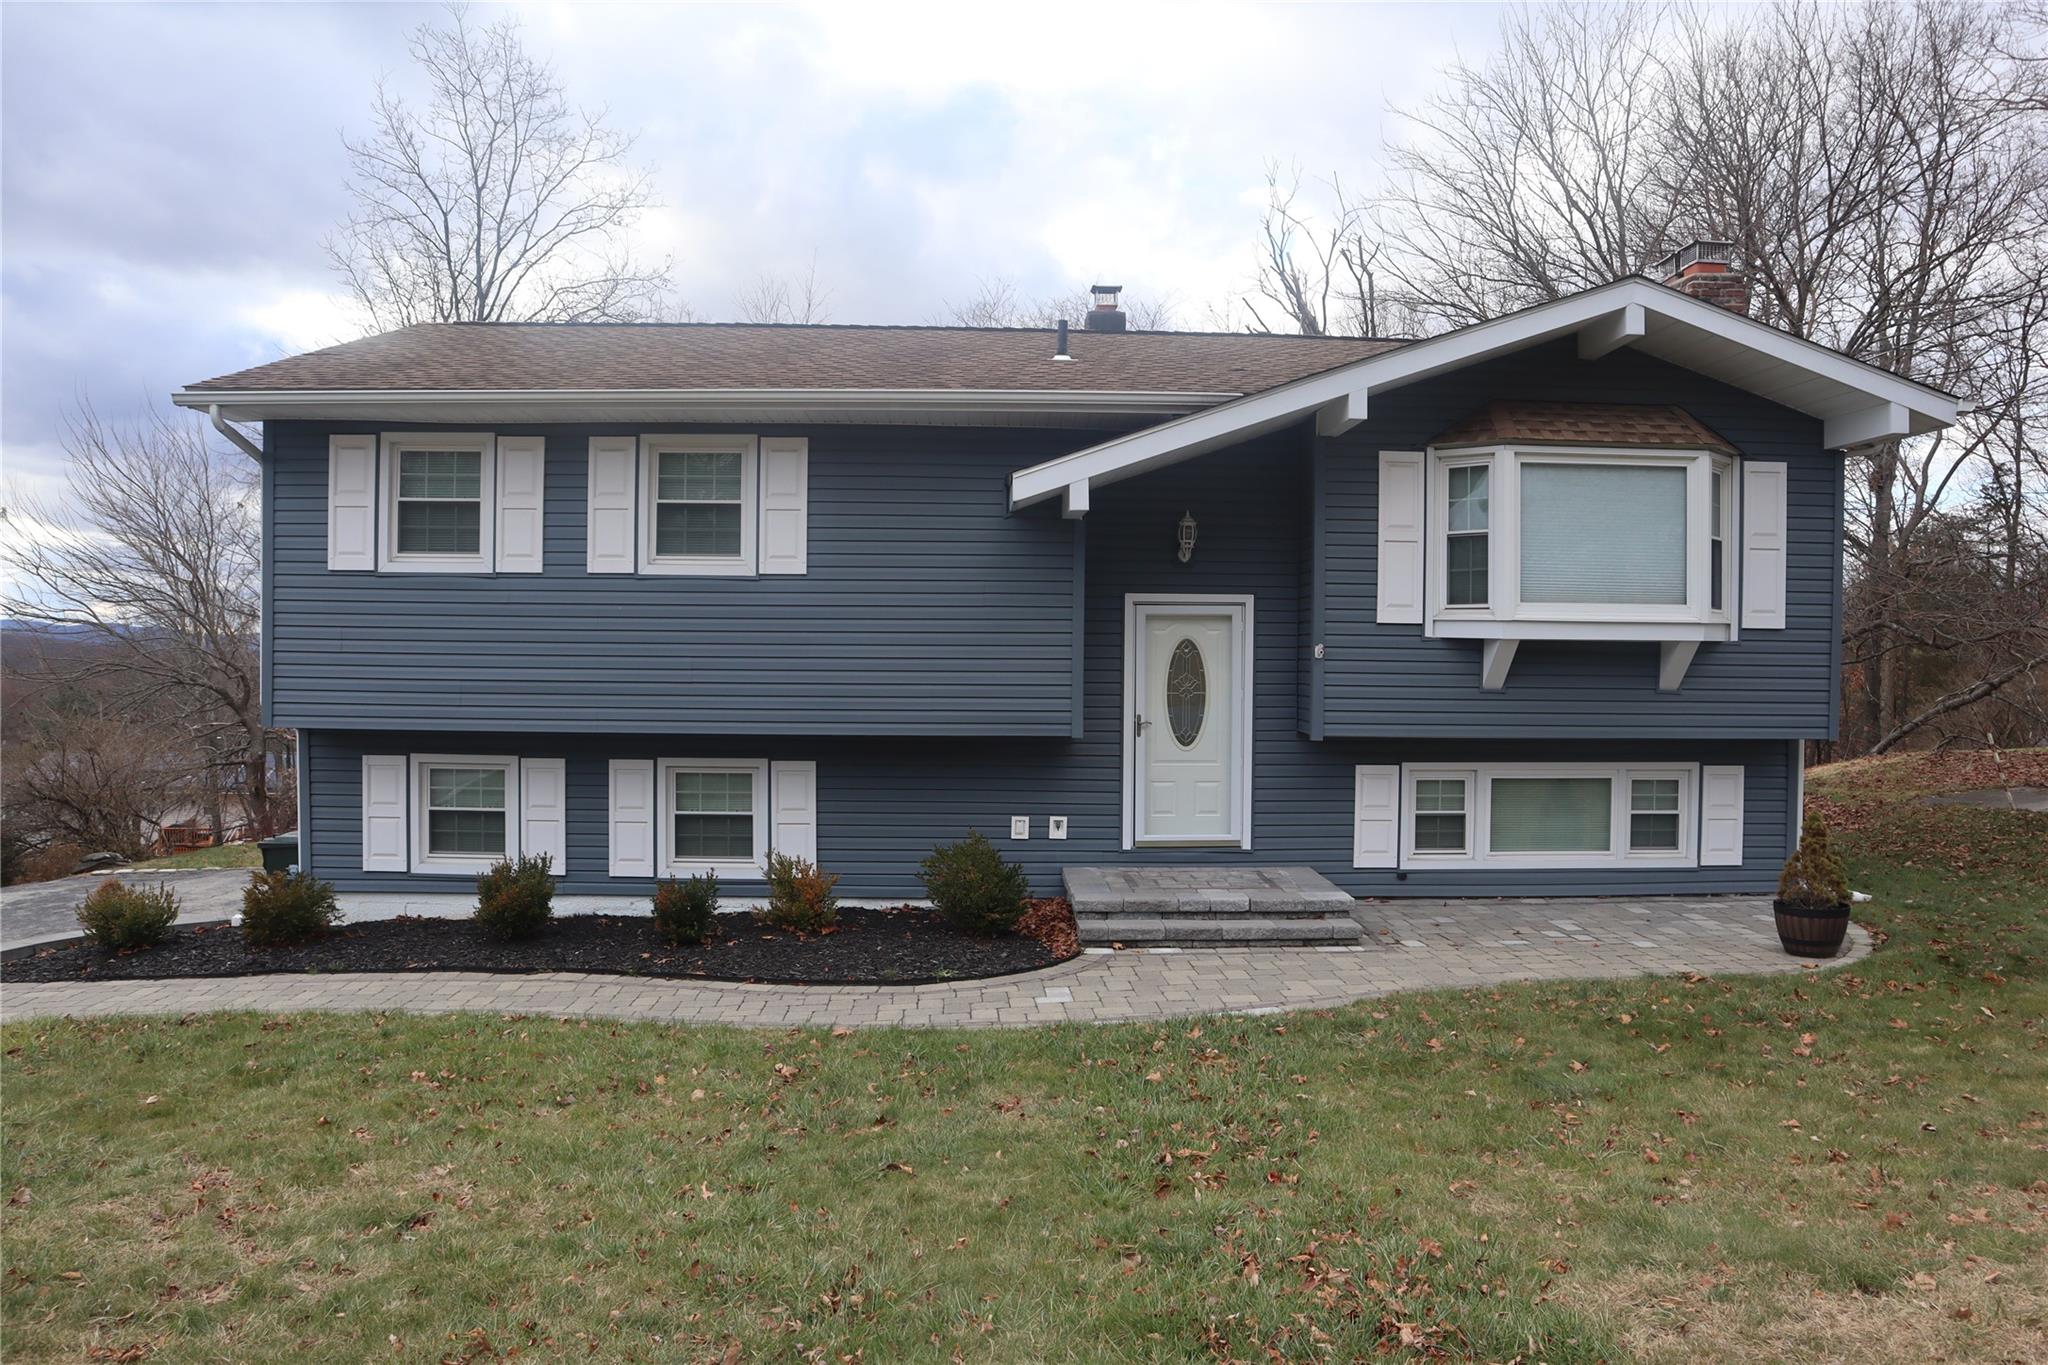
x: 1559, y: 815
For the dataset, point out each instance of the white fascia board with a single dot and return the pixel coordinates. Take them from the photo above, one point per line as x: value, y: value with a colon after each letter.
x: 1203, y: 431
x: 283, y: 404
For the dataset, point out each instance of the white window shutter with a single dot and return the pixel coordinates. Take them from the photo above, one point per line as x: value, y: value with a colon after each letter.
x: 1763, y: 545
x: 385, y: 779
x: 522, y: 477
x: 1376, y: 816
x: 1720, y: 817
x: 352, y: 502
x: 613, y: 503
x: 632, y: 817
x: 1400, y: 553
x: 785, y: 495
x: 793, y: 809
x: 544, y: 809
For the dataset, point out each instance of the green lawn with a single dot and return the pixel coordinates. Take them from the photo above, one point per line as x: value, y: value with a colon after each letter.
x: 221, y: 855
x: 1848, y: 1165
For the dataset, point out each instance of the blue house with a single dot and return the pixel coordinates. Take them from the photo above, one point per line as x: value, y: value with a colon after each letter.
x: 1543, y: 606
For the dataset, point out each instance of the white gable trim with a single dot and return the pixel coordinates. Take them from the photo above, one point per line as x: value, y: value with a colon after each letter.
x: 1858, y: 402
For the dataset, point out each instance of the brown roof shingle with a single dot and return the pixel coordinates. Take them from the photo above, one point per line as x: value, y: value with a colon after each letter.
x: 1529, y: 422
x: 601, y: 357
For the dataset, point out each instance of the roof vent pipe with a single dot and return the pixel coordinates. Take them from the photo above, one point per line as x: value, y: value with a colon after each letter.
x: 1060, y: 351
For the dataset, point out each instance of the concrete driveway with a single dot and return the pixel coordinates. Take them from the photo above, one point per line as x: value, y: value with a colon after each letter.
x: 39, y: 910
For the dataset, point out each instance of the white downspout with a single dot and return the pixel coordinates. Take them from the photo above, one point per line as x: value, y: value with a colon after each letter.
x: 235, y: 434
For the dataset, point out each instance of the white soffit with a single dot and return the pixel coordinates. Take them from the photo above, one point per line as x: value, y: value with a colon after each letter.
x: 1857, y: 402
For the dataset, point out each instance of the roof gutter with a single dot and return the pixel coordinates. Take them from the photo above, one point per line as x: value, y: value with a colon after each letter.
x: 235, y: 434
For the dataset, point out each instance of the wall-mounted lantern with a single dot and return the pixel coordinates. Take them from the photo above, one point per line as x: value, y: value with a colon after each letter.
x: 1187, y: 536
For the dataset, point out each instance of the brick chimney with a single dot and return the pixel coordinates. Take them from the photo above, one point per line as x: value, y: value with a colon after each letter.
x: 1709, y: 271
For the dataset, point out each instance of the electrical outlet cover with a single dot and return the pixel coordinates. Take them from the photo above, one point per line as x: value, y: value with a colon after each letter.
x: 1020, y: 827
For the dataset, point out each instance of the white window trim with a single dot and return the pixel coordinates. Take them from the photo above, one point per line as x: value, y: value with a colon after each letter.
x: 666, y: 862
x: 1506, y: 616
x: 1478, y: 779
x: 459, y: 865
x: 389, y: 445
x: 745, y: 563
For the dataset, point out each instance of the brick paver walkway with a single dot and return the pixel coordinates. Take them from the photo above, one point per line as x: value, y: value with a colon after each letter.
x: 1410, y: 945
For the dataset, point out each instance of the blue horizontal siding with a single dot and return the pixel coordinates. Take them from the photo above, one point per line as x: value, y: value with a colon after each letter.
x: 883, y: 805
x: 927, y: 609
x: 1386, y: 680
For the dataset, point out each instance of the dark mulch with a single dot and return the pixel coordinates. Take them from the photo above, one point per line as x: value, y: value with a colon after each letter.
x: 898, y: 947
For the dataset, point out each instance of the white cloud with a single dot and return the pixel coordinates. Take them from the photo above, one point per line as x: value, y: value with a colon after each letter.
x: 300, y: 319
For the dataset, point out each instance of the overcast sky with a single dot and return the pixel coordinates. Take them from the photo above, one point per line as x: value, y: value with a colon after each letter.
x: 167, y: 171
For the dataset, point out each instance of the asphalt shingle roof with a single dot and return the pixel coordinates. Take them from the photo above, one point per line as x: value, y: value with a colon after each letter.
x: 1529, y: 422
x: 452, y: 357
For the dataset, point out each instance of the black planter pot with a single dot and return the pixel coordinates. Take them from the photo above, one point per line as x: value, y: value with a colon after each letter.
x: 1807, y: 932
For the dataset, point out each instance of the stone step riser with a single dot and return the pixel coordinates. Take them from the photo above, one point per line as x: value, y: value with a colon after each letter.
x: 1155, y: 910
x: 1083, y: 914
x: 1132, y: 929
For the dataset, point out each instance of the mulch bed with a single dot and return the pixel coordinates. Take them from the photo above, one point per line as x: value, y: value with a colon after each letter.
x: 900, y: 947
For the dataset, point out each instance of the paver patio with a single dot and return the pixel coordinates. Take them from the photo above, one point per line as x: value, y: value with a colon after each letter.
x: 1410, y: 945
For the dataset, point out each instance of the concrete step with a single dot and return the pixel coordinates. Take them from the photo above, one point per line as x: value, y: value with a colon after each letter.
x: 1152, y: 931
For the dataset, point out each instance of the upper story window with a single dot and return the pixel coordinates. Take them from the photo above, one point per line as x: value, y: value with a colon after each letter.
x: 701, y: 496
x: 1592, y: 535
x: 440, y: 502
x: 437, y: 513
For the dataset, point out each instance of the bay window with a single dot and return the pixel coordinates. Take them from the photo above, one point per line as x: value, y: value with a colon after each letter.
x: 1582, y: 538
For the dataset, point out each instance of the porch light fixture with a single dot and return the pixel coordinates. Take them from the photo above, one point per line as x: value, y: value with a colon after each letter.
x: 1187, y: 536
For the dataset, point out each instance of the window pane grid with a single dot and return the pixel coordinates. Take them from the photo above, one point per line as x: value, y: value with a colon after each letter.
x: 699, y: 504
x: 440, y: 502
x: 1653, y: 814
x: 466, y: 811
x: 715, y: 793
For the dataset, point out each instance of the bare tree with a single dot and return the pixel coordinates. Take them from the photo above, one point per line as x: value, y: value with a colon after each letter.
x: 999, y: 301
x: 153, y: 551
x: 1883, y: 171
x: 1321, y: 276
x: 779, y: 299
x: 496, y: 202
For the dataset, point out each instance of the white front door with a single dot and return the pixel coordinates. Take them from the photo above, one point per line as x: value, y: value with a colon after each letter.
x: 1187, y: 728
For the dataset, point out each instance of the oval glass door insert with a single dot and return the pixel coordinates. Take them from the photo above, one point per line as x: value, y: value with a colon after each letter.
x: 1187, y: 693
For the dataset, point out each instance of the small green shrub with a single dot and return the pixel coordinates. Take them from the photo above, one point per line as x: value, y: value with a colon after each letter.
x: 1814, y: 878
x: 800, y: 895
x: 118, y: 917
x: 516, y: 899
x: 286, y: 907
x: 685, y: 911
x: 973, y: 887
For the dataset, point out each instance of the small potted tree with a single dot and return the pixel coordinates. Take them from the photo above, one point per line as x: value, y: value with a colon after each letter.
x: 1812, y: 908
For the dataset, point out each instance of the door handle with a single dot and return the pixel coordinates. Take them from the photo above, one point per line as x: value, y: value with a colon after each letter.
x: 1139, y: 725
